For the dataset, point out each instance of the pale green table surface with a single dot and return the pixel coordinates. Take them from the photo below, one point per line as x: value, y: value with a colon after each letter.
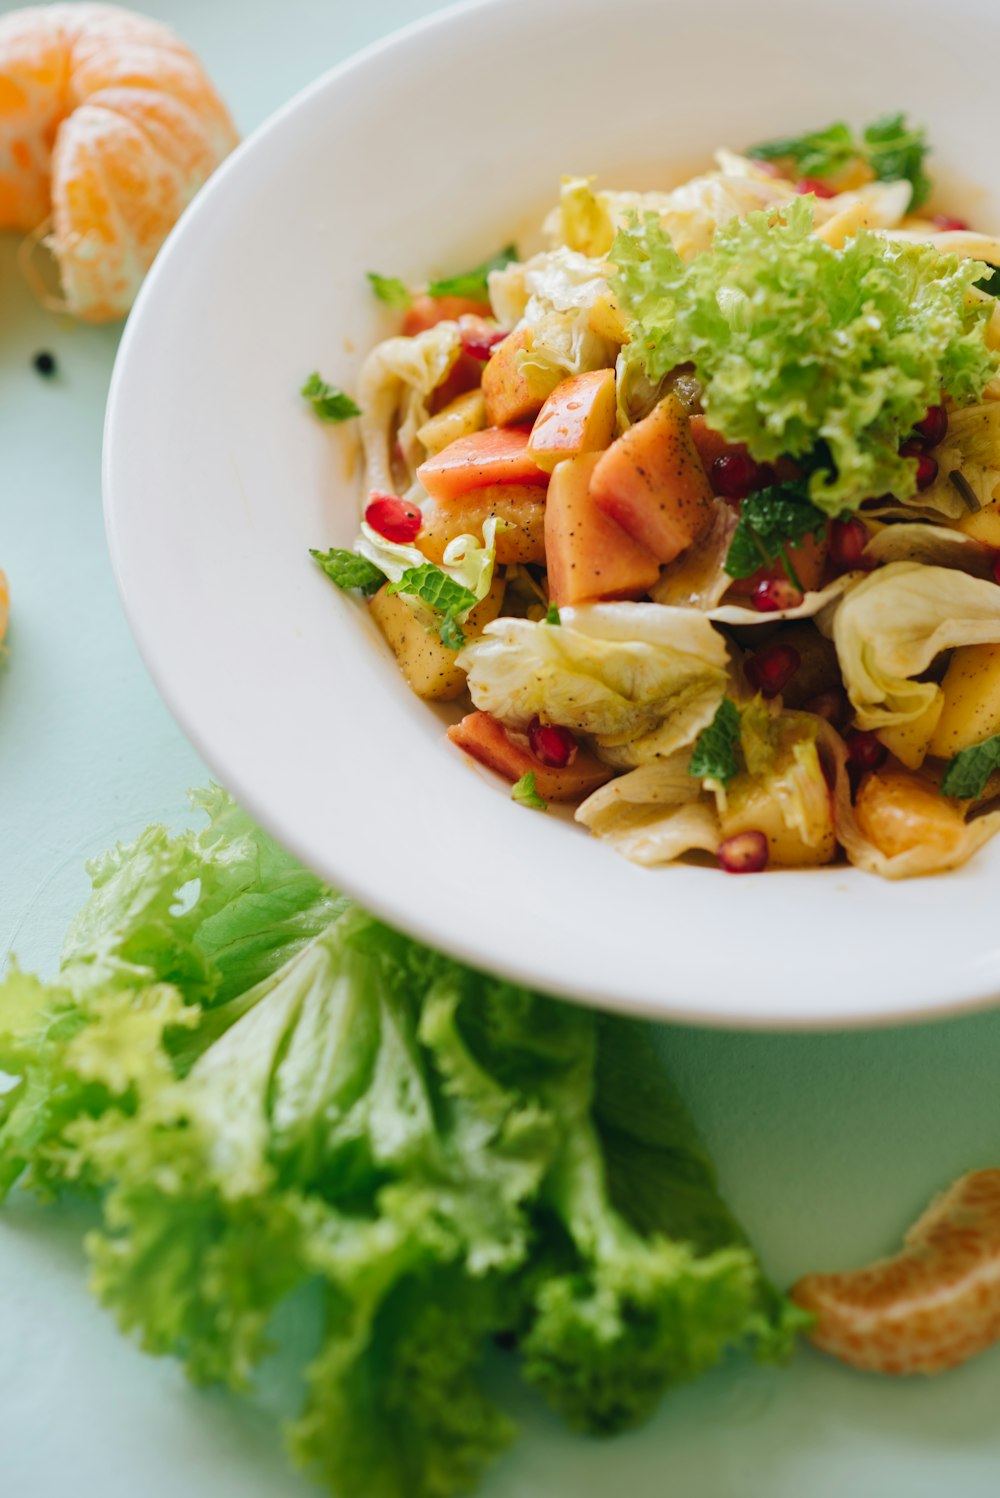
x: 827, y: 1145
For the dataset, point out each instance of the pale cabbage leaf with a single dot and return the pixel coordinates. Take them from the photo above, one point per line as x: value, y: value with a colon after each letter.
x: 654, y: 814
x: 394, y: 388
x: 553, y: 294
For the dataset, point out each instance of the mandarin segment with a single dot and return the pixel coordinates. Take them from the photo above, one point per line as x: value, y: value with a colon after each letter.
x: 933, y: 1306
x: 108, y: 122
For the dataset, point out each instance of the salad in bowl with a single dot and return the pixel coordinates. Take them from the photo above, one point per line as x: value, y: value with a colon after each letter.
x: 698, y: 508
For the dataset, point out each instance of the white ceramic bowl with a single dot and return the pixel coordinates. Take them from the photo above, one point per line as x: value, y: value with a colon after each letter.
x: 410, y: 159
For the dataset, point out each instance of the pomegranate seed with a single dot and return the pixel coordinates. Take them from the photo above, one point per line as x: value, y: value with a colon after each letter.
x: 771, y: 669
x: 927, y: 471
x: 774, y: 593
x: 393, y: 517
x: 996, y: 568
x: 933, y: 427
x: 946, y: 221
x: 814, y: 185
x: 734, y: 475
x: 743, y: 853
x: 848, y: 539
x: 831, y: 705
x: 552, y: 745
x: 864, y: 751
x: 479, y: 338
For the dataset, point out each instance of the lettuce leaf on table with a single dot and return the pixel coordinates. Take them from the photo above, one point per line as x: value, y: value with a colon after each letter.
x: 265, y: 1087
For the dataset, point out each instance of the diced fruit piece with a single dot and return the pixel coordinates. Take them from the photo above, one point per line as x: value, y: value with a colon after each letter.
x: 744, y: 852
x: 752, y: 806
x: 934, y: 1305
x: 515, y: 391
x: 427, y: 311
x: 394, y: 518
x: 521, y: 538
x: 497, y: 455
x: 911, y: 742
x: 588, y: 555
x: 428, y: 665
x: 898, y: 812
x: 971, y: 708
x: 578, y: 417
x: 484, y: 737
x: 607, y: 319
x: 651, y: 481
x: 983, y: 525
x: 466, y: 414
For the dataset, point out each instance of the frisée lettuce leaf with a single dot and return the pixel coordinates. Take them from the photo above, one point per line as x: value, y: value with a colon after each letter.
x: 265, y: 1089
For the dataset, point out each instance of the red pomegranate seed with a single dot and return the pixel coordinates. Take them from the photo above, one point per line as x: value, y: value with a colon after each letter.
x: 947, y: 221
x: 392, y: 517
x: 774, y: 593
x: 743, y: 853
x: 927, y: 471
x: 771, y: 669
x: 479, y: 337
x: 996, y: 568
x: 933, y: 427
x: 848, y: 539
x: 814, y: 185
x: 552, y: 745
x: 734, y: 475
x: 864, y: 751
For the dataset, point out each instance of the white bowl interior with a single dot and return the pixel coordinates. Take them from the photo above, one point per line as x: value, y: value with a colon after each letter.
x: 412, y: 159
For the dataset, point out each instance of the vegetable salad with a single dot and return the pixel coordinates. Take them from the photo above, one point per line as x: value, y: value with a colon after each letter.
x: 700, y: 507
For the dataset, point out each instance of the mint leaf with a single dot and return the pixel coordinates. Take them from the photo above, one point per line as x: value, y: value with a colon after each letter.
x: 552, y: 616
x: 971, y: 768
x: 716, y: 754
x: 818, y: 153
x: 895, y: 151
x: 348, y: 569
x: 474, y: 283
x: 449, y: 599
x: 329, y: 403
x: 890, y: 146
x: 390, y: 290
x: 769, y: 520
x: 525, y: 793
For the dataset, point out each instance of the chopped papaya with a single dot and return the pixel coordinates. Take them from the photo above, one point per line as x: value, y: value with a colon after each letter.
x: 497, y: 455
x: 652, y: 482
x: 519, y: 507
x: 427, y: 311
x: 588, y: 555
x: 578, y: 417
x: 486, y: 739
x: 515, y: 390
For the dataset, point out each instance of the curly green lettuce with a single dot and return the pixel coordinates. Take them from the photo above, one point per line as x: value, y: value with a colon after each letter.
x: 269, y: 1092
x: 829, y: 355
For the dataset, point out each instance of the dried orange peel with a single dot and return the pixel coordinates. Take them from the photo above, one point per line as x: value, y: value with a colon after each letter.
x: 109, y: 125
x: 933, y: 1306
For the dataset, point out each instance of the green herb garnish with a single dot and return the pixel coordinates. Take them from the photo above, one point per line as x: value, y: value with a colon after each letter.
x: 328, y: 401
x: 892, y: 148
x: 349, y: 569
x: 716, y: 751
x: 526, y: 794
x: 971, y: 768
x: 797, y: 344
x: 474, y: 283
x: 552, y: 615
x: 770, y: 520
x: 451, y: 601
x: 390, y: 290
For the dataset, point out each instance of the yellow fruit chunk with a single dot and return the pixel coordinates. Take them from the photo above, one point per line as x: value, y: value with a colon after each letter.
x: 971, y: 710
x: 983, y: 525
x: 466, y: 414
x: 520, y: 508
x: 910, y: 742
x: 578, y: 417
x: 934, y: 1305
x: 428, y: 665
